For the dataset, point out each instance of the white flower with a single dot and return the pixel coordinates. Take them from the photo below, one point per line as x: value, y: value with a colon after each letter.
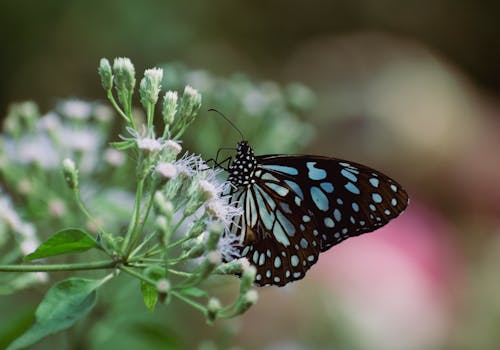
x: 8, y: 214
x: 76, y: 109
x: 144, y: 142
x: 228, y: 248
x: 155, y: 74
x: 28, y: 246
x: 49, y: 122
x: 163, y: 285
x: 37, y: 148
x: 103, y: 113
x: 114, y: 157
x: 57, y: 208
x: 80, y: 139
x: 173, y: 147
x: 42, y: 277
x: 150, y: 145
x: 208, y: 190
x: 167, y: 170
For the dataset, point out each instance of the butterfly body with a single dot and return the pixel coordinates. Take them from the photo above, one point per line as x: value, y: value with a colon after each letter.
x: 297, y: 206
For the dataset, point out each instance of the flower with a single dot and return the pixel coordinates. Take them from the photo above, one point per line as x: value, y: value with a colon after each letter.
x: 227, y: 246
x: 167, y: 170
x: 169, y: 107
x: 114, y: 157
x: 124, y: 74
x: 29, y: 149
x: 106, y: 74
x: 76, y: 109
x: 147, y: 144
x: 150, y: 86
x: 172, y: 147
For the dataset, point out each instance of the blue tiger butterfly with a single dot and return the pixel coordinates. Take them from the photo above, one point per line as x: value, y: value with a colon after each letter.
x: 297, y: 206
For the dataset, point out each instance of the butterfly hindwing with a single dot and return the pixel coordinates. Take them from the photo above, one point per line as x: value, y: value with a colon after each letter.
x: 275, y: 238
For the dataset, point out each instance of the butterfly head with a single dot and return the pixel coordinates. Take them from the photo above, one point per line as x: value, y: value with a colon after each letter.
x: 242, y: 167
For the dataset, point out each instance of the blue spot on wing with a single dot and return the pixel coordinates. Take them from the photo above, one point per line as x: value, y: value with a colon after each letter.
x: 319, y: 198
x: 315, y: 173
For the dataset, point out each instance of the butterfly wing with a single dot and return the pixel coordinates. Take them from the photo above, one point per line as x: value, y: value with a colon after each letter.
x: 346, y: 199
x: 299, y: 206
x: 274, y: 235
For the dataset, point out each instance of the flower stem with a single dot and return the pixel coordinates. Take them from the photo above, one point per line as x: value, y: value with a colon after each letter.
x: 111, y: 99
x: 189, y: 301
x: 95, y: 265
x: 132, y: 233
x: 134, y: 273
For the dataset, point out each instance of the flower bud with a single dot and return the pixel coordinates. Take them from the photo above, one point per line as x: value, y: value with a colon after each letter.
x: 234, y: 267
x: 106, y: 74
x: 195, y: 251
x: 247, y: 279
x: 172, y: 147
x: 70, y: 173
x: 166, y: 170
x: 150, y: 86
x: 213, y: 308
x: 163, y: 286
x: 211, y: 262
x: 124, y: 74
x: 169, y: 107
x: 190, y: 102
x: 197, y: 228
x: 214, y: 232
x: 246, y: 301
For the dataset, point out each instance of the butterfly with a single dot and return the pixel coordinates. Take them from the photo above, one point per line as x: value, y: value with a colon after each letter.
x: 298, y: 206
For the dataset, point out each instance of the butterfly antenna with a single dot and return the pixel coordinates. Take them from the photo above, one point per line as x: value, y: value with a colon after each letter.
x: 229, y: 121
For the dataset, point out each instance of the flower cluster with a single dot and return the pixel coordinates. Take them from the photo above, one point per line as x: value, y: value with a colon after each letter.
x: 157, y: 213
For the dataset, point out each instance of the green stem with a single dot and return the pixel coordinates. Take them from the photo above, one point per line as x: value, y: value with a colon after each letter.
x: 194, y: 304
x: 95, y: 265
x: 132, y: 232
x: 111, y: 99
x: 148, y: 207
x: 150, y: 113
x: 84, y: 210
x: 134, y: 273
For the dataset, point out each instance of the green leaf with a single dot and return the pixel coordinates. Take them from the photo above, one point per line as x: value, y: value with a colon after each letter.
x: 194, y: 292
x: 149, y: 294
x: 66, y: 241
x: 122, y: 145
x: 149, y: 291
x: 64, y: 304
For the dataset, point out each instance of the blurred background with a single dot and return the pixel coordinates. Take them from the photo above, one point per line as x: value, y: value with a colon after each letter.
x: 410, y: 88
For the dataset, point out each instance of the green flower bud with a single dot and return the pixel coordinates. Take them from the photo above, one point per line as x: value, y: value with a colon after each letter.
x: 169, y: 107
x: 214, y: 232
x: 70, y: 173
x: 124, y: 75
x: 190, y: 102
x: 197, y: 228
x: 234, y: 267
x: 246, y: 301
x: 150, y: 85
x: 106, y: 74
x: 247, y: 279
x: 211, y: 262
x: 213, y: 308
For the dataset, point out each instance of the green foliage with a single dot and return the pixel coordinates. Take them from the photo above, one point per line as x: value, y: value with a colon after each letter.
x: 64, y: 304
x: 66, y: 241
x: 157, y: 215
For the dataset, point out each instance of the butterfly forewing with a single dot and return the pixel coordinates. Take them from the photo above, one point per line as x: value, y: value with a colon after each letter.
x: 346, y: 199
x: 296, y: 206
